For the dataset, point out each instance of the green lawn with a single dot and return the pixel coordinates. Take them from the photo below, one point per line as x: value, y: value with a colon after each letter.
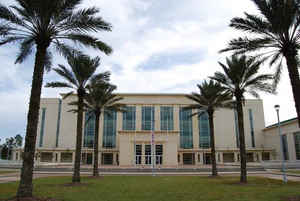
x: 159, y: 188
x: 294, y: 171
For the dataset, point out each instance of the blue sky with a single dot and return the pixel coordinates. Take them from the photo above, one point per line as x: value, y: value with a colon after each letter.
x: 159, y: 46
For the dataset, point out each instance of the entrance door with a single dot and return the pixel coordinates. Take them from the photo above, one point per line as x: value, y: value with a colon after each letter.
x: 148, y: 159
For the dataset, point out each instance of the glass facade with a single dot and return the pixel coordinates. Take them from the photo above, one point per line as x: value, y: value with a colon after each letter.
x: 166, y: 118
x: 109, y: 129
x: 186, y: 129
x: 204, y: 132
x: 251, y: 128
x: 297, y: 144
x: 147, y: 117
x: 89, y: 130
x: 42, y: 127
x: 129, y: 117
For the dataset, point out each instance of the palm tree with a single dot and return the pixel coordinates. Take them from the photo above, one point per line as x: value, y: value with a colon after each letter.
x: 211, y: 97
x: 42, y: 26
x: 275, y: 35
x: 100, y: 98
x: 82, y: 71
x: 240, y: 76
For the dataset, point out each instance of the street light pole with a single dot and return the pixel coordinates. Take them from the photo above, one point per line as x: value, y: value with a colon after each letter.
x: 281, y: 145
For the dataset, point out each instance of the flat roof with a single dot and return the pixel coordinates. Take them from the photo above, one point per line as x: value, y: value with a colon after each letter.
x: 285, y: 122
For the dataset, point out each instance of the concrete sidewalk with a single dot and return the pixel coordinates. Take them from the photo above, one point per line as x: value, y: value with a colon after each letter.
x: 12, y: 177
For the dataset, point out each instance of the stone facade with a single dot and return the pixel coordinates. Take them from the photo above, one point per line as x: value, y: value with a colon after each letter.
x: 130, y: 148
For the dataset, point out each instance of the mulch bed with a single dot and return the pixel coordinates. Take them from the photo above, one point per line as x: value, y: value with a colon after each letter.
x: 32, y: 199
x: 291, y: 198
x: 96, y: 177
x: 75, y: 184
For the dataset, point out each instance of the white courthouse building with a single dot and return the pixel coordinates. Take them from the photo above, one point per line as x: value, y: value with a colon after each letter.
x: 179, y: 139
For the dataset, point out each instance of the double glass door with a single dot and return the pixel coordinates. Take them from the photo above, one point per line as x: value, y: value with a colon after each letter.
x: 148, y: 155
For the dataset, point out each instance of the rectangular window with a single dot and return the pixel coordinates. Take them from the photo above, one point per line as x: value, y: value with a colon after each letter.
x: 129, y: 118
x: 166, y: 118
x: 251, y: 127
x: 42, y: 127
x: 89, y: 130
x: 159, y: 153
x: 109, y: 129
x: 236, y: 126
x: 297, y: 144
x: 147, y: 118
x: 204, y: 132
x: 285, y: 147
x: 138, y: 154
x: 186, y: 129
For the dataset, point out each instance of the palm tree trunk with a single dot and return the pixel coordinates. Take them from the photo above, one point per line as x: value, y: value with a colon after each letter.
x: 295, y: 81
x: 212, y: 143
x: 243, y: 155
x: 25, y: 186
x: 76, y: 173
x: 96, y: 145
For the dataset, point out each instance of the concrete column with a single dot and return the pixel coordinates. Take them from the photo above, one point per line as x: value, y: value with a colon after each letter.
x: 138, y: 121
x: 259, y: 156
x: 221, y: 161
x: 73, y: 157
x: 157, y: 117
x: 176, y: 118
x: 143, y: 153
x: 59, y: 157
x: 291, y: 146
x: 181, y: 158
x: 119, y: 127
x: 53, y: 157
x: 176, y: 122
x: 99, y: 158
x: 201, y: 158
x: 114, y: 159
x: 195, y: 130
x: 236, y: 160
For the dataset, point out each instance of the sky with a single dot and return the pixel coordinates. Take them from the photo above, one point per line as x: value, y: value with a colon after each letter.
x: 159, y: 47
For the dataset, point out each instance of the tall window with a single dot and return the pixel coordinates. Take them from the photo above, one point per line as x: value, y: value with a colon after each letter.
x: 297, y: 144
x: 285, y: 147
x: 204, y: 132
x: 89, y: 130
x: 147, y: 117
x: 251, y: 128
x: 129, y: 118
x: 186, y: 129
x: 42, y: 127
x: 109, y: 129
x: 166, y: 118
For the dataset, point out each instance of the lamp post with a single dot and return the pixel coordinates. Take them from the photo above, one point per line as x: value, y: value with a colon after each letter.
x: 277, y: 107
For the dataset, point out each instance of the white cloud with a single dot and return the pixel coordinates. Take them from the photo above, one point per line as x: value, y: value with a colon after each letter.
x: 141, y: 29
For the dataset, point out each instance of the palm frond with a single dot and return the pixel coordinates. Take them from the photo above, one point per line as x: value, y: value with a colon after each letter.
x: 25, y: 50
